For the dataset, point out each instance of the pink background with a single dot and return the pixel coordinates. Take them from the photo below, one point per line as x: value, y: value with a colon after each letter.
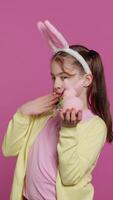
x: 24, y: 65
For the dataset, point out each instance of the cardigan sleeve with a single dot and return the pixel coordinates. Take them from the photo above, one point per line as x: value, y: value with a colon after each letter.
x: 76, y: 154
x: 15, y: 134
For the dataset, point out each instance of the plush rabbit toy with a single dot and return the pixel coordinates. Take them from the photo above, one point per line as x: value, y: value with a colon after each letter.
x: 70, y: 96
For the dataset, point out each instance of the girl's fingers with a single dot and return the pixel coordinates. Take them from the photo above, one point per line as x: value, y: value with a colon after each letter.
x: 49, y: 97
x: 79, y: 115
x: 62, y: 114
x: 65, y: 115
x: 50, y: 103
x: 73, y: 115
x: 48, y: 109
x: 54, y: 100
x: 45, y: 97
x: 68, y: 115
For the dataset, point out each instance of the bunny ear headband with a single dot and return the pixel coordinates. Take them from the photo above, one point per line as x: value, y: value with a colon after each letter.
x: 57, y: 42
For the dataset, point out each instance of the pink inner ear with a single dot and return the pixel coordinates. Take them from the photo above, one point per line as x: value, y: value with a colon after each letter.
x: 44, y: 31
x: 53, y: 37
x: 57, y: 37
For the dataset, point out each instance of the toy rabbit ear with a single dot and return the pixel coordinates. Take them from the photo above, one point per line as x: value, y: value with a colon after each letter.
x: 54, y: 37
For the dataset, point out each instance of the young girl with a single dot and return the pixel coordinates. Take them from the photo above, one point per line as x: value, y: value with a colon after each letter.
x: 58, y: 147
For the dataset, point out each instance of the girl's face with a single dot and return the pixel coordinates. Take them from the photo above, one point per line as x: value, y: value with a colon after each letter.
x: 58, y: 76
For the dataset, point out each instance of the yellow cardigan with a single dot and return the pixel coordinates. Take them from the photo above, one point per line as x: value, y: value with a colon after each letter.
x: 78, y: 150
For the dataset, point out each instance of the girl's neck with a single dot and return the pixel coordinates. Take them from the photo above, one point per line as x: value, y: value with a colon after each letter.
x: 87, y: 114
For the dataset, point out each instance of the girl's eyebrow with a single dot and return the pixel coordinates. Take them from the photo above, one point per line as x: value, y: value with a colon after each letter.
x: 59, y: 73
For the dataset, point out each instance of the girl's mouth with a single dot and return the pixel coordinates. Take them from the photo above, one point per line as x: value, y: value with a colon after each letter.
x: 60, y: 94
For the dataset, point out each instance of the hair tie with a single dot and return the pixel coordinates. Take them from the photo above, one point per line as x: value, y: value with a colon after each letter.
x: 92, y: 52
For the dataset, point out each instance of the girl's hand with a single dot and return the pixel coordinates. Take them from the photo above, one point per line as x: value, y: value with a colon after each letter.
x: 70, y: 117
x: 39, y: 105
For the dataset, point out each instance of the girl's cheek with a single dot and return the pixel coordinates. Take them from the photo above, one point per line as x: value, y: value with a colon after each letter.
x: 79, y: 86
x: 79, y: 91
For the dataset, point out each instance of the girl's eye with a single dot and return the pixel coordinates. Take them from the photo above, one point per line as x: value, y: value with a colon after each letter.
x: 64, y: 77
x: 52, y: 78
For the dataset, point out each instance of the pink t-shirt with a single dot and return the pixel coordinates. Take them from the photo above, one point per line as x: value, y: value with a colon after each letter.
x: 42, y: 164
x: 43, y: 161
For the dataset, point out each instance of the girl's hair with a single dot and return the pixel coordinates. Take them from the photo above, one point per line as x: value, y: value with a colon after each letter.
x: 96, y: 94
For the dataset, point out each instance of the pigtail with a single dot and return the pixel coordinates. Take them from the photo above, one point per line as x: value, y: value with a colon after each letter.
x: 97, y: 94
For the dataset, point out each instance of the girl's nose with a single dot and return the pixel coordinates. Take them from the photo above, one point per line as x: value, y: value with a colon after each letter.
x: 58, y: 86
x: 58, y: 90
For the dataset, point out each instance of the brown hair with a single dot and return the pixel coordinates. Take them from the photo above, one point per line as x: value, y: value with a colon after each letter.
x: 96, y: 93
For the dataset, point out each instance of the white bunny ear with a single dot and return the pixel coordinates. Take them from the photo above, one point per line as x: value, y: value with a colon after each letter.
x: 54, y: 37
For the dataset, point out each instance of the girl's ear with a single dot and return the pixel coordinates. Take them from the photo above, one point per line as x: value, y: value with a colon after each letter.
x: 88, y: 78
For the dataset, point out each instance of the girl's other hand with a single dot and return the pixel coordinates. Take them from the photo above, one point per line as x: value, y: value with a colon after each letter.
x: 40, y: 105
x: 70, y: 117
